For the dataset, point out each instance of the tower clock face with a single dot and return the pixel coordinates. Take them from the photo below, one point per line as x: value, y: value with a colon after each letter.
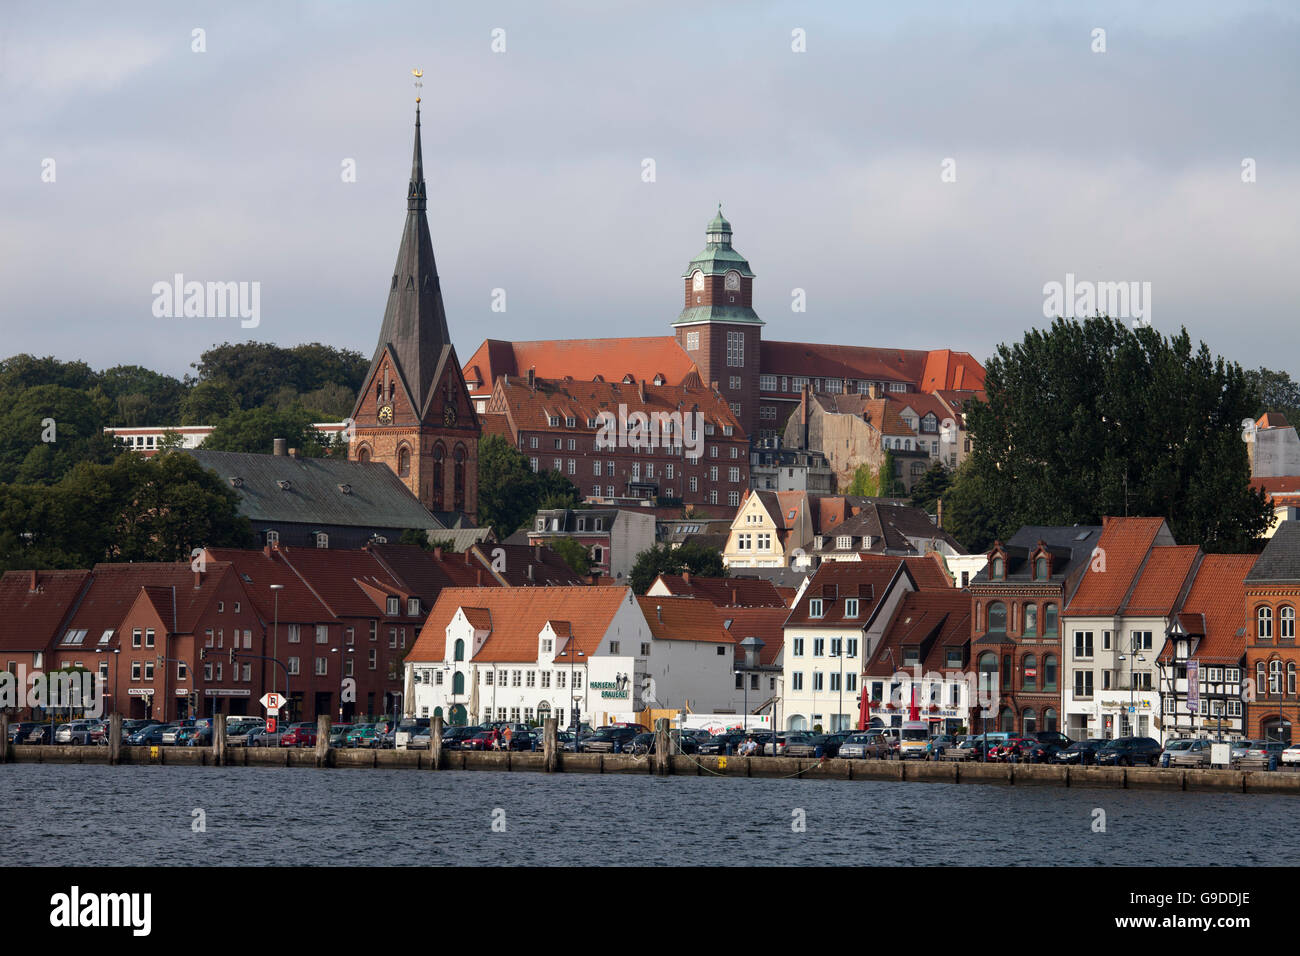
x: 733, y: 280
x: 386, y: 415
x: 449, y: 415
x: 697, y: 281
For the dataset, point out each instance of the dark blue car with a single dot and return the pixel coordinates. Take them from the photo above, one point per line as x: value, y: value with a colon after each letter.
x: 150, y: 736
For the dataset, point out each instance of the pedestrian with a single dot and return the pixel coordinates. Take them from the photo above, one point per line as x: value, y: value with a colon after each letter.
x: 496, y: 738
x: 509, y: 734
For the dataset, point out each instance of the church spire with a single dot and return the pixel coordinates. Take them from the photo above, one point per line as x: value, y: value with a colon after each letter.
x: 415, y: 196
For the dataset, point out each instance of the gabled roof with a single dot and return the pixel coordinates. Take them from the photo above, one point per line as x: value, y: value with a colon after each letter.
x: 892, y: 527
x: 765, y: 623
x: 339, y: 577
x: 518, y: 616
x: 684, y: 619
x: 258, y: 570
x: 426, y: 573
x: 730, y: 592
x: 934, y: 620
x: 548, y: 569
x: 114, y: 588
x: 935, y: 369
x: 1273, y: 420
x: 1281, y: 490
x: 1070, y: 547
x: 31, y: 620
x: 1161, y: 580
x: 868, y: 580
x: 1124, y: 545
x: 1216, y: 604
x: 325, y: 491
x: 1280, y: 561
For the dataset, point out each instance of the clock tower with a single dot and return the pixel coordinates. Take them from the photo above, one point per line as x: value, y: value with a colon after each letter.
x: 414, y: 413
x: 718, y: 326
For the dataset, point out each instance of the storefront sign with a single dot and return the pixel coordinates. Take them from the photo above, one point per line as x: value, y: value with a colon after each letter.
x: 609, y: 688
x: 225, y: 692
x: 1193, y: 686
x: 140, y: 691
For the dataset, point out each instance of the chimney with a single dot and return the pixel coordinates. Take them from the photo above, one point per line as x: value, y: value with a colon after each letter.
x: 640, y: 390
x: 537, y: 553
x: 530, y: 572
x: 467, y: 561
x: 873, y: 390
x: 35, y: 580
x: 686, y: 576
x: 735, y: 601
x: 479, y: 578
x: 280, y: 446
x: 293, y: 453
x: 198, y: 580
x: 938, y: 518
x: 532, y: 378
x: 437, y: 554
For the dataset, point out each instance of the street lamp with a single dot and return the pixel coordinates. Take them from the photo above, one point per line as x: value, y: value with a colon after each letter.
x: 275, y: 637
x: 112, y: 680
x: 341, y: 651
x: 751, y: 647
x: 573, y: 661
x: 1132, y: 709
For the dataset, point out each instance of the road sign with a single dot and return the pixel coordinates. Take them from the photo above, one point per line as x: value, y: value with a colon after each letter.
x: 270, y: 725
x: 272, y: 701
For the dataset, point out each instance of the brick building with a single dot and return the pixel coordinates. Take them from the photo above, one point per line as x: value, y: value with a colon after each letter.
x: 1272, y: 658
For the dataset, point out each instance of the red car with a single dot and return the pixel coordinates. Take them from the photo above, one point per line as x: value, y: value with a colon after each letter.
x: 1013, y: 746
x: 481, y: 741
x: 300, y: 735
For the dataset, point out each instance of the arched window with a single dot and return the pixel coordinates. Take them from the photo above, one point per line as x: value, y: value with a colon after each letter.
x: 1286, y: 622
x: 1264, y: 623
x: 1275, y: 677
x: 1049, y: 719
x: 1290, y: 679
x: 403, y: 461
x: 458, y: 489
x: 1007, y: 720
x: 1049, y: 675
x: 1029, y: 673
x: 796, y: 722
x: 999, y: 569
x: 1031, y: 620
x: 998, y: 617
x: 458, y: 683
x: 322, y: 539
x: 273, y: 537
x: 1040, y: 569
x: 1049, y: 620
x: 460, y: 650
x: 439, y: 453
x: 1276, y: 728
x: 988, y: 668
x: 1029, y: 721
x: 363, y: 454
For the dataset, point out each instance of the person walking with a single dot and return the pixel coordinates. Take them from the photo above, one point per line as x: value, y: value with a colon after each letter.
x: 509, y: 735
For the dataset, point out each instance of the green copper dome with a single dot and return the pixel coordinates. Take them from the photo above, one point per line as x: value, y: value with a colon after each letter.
x: 718, y: 224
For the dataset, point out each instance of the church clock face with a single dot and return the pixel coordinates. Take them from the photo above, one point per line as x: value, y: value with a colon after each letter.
x: 449, y: 415
x: 733, y: 281
x: 386, y: 415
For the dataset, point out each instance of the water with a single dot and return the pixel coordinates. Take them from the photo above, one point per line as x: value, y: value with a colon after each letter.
x: 142, y: 815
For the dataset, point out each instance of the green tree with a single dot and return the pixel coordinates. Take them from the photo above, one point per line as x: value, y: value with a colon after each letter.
x: 575, y: 554
x: 1090, y: 418
x: 510, y: 493
x: 208, y: 402
x: 1275, y: 392
x: 865, y: 482
x: 255, y: 431
x: 45, y: 430
x: 665, y: 559
x: 970, y: 515
x: 886, y: 478
x: 931, y: 486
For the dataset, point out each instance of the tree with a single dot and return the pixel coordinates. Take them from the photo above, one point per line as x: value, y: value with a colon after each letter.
x: 510, y: 492
x: 574, y: 553
x: 886, y: 479
x: 931, y: 486
x: 45, y: 430
x: 865, y: 482
x: 968, y: 514
x: 1090, y: 418
x: 255, y: 431
x: 208, y: 402
x: 664, y: 559
x: 419, y: 537
x: 1275, y: 392
x: 553, y: 490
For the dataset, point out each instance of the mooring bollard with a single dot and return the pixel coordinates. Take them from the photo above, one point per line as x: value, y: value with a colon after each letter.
x: 550, y: 752
x: 323, y: 724
x: 435, y: 743
x: 218, y: 739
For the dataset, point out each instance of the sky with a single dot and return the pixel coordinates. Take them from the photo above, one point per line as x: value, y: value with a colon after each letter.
x: 920, y: 171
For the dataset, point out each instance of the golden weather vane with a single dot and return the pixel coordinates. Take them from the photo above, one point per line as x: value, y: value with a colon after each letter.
x: 419, y: 81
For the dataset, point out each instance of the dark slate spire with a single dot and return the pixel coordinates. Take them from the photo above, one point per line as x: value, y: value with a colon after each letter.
x: 415, y: 323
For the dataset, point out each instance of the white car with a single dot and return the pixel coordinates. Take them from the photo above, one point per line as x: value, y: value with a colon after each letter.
x: 1291, y: 754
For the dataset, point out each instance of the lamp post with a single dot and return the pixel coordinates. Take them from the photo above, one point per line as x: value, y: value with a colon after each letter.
x: 573, y: 663
x: 751, y: 647
x: 275, y: 636
x: 112, y: 680
x: 342, y: 651
x: 1131, y: 656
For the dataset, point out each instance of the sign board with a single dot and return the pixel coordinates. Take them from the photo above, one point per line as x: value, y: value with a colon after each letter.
x: 1220, y: 754
x: 272, y: 701
x: 270, y: 725
x: 1193, y: 686
x: 227, y: 692
x: 401, y: 739
x: 140, y: 691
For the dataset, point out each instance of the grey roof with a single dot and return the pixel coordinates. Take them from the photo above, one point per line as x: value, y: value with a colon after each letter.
x: 893, y: 525
x: 415, y: 322
x: 375, y: 496
x: 1280, y: 560
x: 1069, y: 545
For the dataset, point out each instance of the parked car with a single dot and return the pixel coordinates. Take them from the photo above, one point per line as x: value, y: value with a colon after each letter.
x: 1130, y: 752
x: 299, y: 735
x: 864, y: 746
x: 173, y: 729
x: 1239, y: 749
x: 198, y: 737
x: 968, y: 748
x: 1081, y: 752
x: 565, y: 740
x: 18, y: 732
x: 410, y: 726
x: 1262, y: 751
x: 718, y: 745
x: 805, y: 746
x: 81, y: 732
x: 453, y: 737
x: 1291, y: 755
x: 938, y: 744
x: 1039, y: 751
x: 239, y: 734
x: 483, y: 740
x: 1053, y: 737
x: 135, y: 725
x: 612, y: 739
x: 42, y: 733
x: 1188, y: 752
x: 148, y: 736
x: 363, y: 735
x: 1013, y: 747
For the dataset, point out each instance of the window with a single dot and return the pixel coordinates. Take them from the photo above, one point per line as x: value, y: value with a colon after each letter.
x: 798, y: 647
x: 1049, y: 621
x: 322, y: 634
x: 1082, y: 645
x: 1040, y: 568
x: 815, y: 607
x: 850, y: 607
x: 997, y: 617
x: 1031, y: 620
x: 1286, y: 623
x: 819, y: 647
x: 1083, y: 683
x: 413, y: 606
x: 736, y: 349
x: 1264, y: 623
x: 692, y: 341
x: 1029, y: 673
x: 1049, y: 672
x: 293, y: 664
x: 394, y: 606
x: 322, y: 666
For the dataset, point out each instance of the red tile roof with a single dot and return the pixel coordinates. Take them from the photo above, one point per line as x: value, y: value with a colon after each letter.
x: 115, y: 587
x: 725, y: 592
x: 1280, y: 490
x: 518, y: 616
x: 336, y: 576
x: 936, y: 620
x: 1273, y: 420
x: 765, y: 623
x: 583, y: 359
x: 258, y: 570
x: 684, y: 619
x: 32, y: 620
x: 1124, y: 544
x: 1161, y: 580
x: 940, y: 368
x: 1218, y: 594
x: 929, y: 573
x: 834, y: 581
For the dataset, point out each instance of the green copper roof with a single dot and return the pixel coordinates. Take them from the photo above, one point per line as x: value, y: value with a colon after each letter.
x: 718, y: 313
x: 715, y: 260
x: 718, y: 224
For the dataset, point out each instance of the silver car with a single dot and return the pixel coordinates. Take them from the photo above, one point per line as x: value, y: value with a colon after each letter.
x: 1189, y: 752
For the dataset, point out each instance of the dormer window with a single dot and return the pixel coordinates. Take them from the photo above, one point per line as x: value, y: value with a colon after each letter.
x: 322, y: 539
x: 999, y: 572
x: 1040, y: 568
x: 394, y: 606
x: 413, y: 607
x: 815, y: 607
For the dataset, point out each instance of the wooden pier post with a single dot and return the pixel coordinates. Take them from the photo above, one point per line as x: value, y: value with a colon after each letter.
x: 4, y: 738
x: 114, y: 739
x: 662, y: 745
x: 550, y: 759
x: 323, y: 724
x: 435, y: 743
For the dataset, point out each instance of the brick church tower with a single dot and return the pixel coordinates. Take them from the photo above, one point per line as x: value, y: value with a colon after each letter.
x: 718, y: 326
x: 414, y: 413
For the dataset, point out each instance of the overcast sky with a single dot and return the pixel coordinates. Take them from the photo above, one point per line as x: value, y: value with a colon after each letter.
x: 225, y: 165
